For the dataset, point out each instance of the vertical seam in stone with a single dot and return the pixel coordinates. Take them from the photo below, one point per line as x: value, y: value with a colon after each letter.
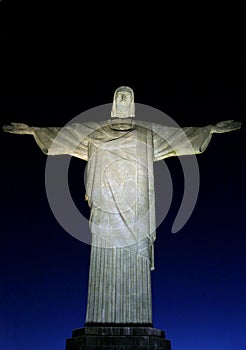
x: 97, y: 281
x: 134, y: 256
x: 115, y: 284
x: 123, y: 284
x: 143, y: 292
x: 109, y: 286
x: 129, y: 272
x: 140, y: 290
x: 104, y: 283
x: 93, y: 269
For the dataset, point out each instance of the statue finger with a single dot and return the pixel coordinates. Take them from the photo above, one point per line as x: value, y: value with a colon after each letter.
x: 8, y: 128
x: 16, y: 124
x: 20, y: 125
x: 237, y: 125
x: 221, y: 124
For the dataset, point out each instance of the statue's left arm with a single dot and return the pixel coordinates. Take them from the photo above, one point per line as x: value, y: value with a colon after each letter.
x: 172, y: 141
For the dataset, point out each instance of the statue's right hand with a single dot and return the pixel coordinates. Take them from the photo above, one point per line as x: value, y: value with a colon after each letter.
x: 18, y: 128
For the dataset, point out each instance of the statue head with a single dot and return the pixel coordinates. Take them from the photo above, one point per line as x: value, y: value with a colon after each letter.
x: 123, y: 103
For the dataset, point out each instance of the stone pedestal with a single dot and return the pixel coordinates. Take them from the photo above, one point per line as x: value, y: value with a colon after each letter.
x: 118, y: 338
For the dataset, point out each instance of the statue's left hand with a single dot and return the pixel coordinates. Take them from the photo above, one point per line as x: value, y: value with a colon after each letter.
x: 226, y: 126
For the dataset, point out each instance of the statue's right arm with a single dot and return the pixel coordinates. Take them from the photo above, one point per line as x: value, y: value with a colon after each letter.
x: 71, y: 139
x: 44, y: 137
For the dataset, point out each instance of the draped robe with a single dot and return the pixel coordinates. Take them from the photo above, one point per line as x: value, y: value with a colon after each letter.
x: 120, y: 193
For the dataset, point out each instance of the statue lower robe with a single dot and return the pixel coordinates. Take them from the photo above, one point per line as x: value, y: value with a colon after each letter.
x: 119, y: 286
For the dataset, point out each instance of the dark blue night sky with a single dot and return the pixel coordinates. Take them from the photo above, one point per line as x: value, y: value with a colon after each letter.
x: 199, y: 284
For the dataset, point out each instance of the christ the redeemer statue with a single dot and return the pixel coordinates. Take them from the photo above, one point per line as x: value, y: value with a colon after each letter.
x: 120, y: 192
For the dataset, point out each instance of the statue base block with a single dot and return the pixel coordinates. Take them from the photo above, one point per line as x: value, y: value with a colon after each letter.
x: 118, y: 338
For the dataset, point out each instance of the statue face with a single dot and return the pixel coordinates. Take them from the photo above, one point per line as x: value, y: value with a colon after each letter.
x: 123, y: 100
x: 123, y: 103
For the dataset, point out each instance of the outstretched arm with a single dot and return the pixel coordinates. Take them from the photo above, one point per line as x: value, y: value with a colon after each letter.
x: 169, y: 141
x: 225, y: 126
x: 43, y: 136
x: 71, y: 139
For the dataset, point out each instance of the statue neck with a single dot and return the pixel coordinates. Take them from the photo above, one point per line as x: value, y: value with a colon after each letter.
x: 122, y: 124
